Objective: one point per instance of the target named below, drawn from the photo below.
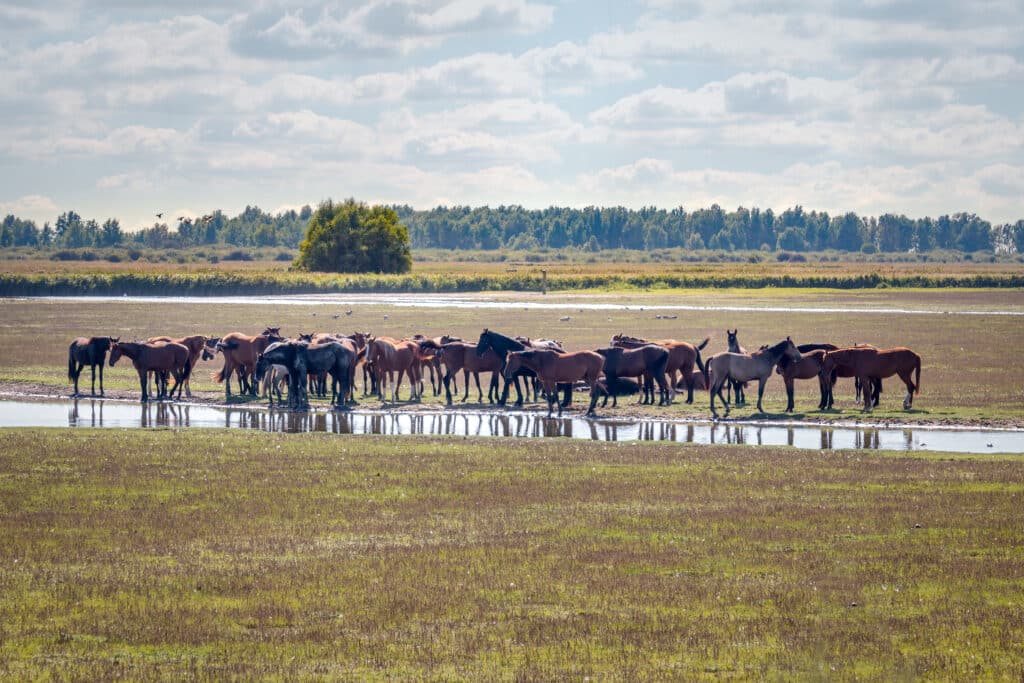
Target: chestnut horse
(681, 359)
(553, 368)
(159, 357)
(91, 351)
(741, 367)
(460, 355)
(647, 361)
(240, 354)
(869, 364)
(389, 356)
(197, 349)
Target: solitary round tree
(351, 237)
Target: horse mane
(774, 349)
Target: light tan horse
(554, 368)
(869, 364)
(744, 367)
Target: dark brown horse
(163, 358)
(648, 362)
(389, 356)
(240, 354)
(740, 367)
(868, 364)
(553, 368)
(682, 357)
(808, 367)
(460, 355)
(91, 351)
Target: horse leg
(789, 392)
(908, 400)
(144, 383)
(878, 390)
(865, 383)
(593, 395)
(519, 394)
(761, 382)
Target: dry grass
(242, 555)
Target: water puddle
(471, 302)
(106, 413)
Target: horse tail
(704, 370)
(188, 369)
(917, 375)
(71, 361)
(218, 376)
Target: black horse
(292, 356)
(91, 351)
(334, 359)
(501, 346)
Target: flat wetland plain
(217, 554)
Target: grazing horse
(868, 364)
(647, 361)
(290, 355)
(740, 367)
(460, 355)
(240, 354)
(735, 390)
(197, 349)
(159, 357)
(91, 351)
(502, 345)
(681, 359)
(553, 368)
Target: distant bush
(238, 255)
(283, 256)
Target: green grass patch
(230, 554)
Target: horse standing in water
(869, 364)
(91, 351)
(502, 346)
(197, 350)
(740, 367)
(163, 358)
(553, 368)
(240, 354)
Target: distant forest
(589, 229)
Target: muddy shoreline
(627, 410)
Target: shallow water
(477, 302)
(107, 413)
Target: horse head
(305, 337)
(273, 334)
(791, 352)
(484, 342)
(115, 352)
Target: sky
(117, 108)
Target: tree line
(591, 229)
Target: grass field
(966, 376)
(162, 554)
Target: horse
(290, 355)
(502, 345)
(808, 367)
(389, 356)
(868, 363)
(735, 390)
(615, 387)
(740, 367)
(553, 368)
(681, 359)
(334, 359)
(160, 357)
(197, 349)
(647, 361)
(270, 383)
(460, 355)
(240, 354)
(91, 351)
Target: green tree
(351, 237)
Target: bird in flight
(159, 215)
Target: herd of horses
(629, 365)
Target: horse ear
(115, 339)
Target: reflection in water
(100, 413)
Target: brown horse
(741, 367)
(240, 354)
(869, 364)
(808, 367)
(647, 361)
(460, 355)
(196, 345)
(681, 359)
(389, 356)
(553, 368)
(91, 351)
(163, 358)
